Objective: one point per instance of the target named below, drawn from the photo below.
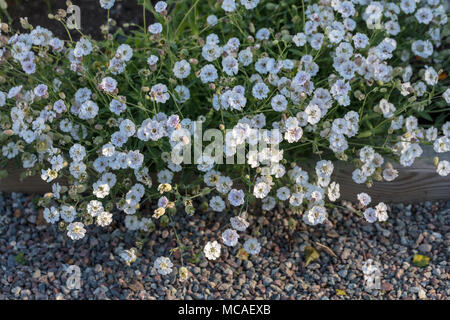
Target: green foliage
(19, 258)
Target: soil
(92, 15)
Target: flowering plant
(111, 124)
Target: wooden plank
(32, 184)
(417, 183)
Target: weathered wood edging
(417, 183)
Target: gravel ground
(33, 258)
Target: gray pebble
(277, 272)
(425, 247)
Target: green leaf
(311, 255)
(195, 258)
(440, 120)
(420, 260)
(425, 115)
(20, 258)
(365, 134)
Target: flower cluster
(349, 80)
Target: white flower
(296, 199)
(51, 215)
(77, 169)
(128, 256)
(109, 178)
(283, 193)
(94, 207)
(163, 265)
(155, 28)
(364, 199)
(442, 144)
(14, 91)
(249, 4)
(316, 40)
(381, 211)
(299, 39)
(165, 176)
(236, 197)
(117, 107)
(41, 90)
(77, 152)
(132, 222)
(389, 174)
(104, 219)
(252, 246)
(181, 69)
(76, 230)
(68, 213)
(261, 190)
(159, 93)
(279, 103)
(424, 15)
(313, 113)
(370, 215)
(211, 20)
(268, 203)
(445, 95)
(217, 204)
(208, 73)
(408, 6)
(127, 127)
(135, 159)
(211, 51)
(260, 90)
(239, 223)
(230, 65)
(263, 34)
(334, 191)
(387, 108)
(101, 189)
(315, 215)
(229, 5)
(152, 60)
(212, 250)
(230, 237)
(182, 93)
(431, 77)
(82, 48)
(108, 84)
(88, 110)
(107, 4)
(245, 57)
(3, 98)
(422, 48)
(224, 184)
(443, 168)
(160, 6)
(431, 133)
(324, 168)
